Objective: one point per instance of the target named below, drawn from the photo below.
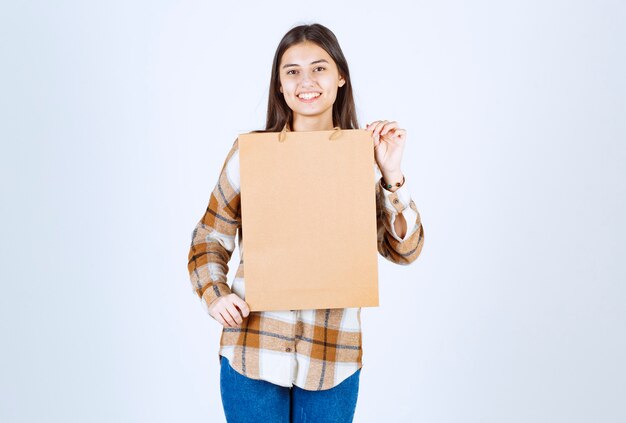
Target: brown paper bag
(308, 211)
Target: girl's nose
(306, 76)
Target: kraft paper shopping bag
(308, 210)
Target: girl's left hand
(388, 144)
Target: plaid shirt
(313, 349)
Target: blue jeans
(247, 400)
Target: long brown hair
(278, 112)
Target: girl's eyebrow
(314, 62)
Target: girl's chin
(306, 106)
(309, 108)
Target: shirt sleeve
(213, 238)
(388, 206)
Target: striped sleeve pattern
(389, 205)
(213, 238)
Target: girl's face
(309, 80)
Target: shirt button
(288, 349)
(395, 201)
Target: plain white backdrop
(116, 117)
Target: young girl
(297, 365)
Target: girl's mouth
(309, 97)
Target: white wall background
(115, 118)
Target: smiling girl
(297, 365)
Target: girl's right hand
(229, 310)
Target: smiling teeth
(308, 96)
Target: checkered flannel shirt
(313, 349)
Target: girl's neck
(312, 123)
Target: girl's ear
(342, 81)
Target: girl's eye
(293, 70)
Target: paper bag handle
(334, 135)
